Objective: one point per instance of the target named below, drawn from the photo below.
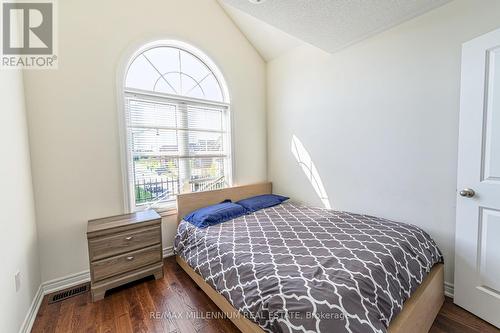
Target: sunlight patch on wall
(305, 161)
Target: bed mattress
(295, 268)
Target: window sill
(164, 212)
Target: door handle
(467, 192)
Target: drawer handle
(130, 258)
(128, 238)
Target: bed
(295, 268)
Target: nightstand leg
(159, 274)
(98, 294)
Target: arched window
(177, 124)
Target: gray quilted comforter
(294, 268)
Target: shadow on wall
(305, 161)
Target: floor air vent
(67, 293)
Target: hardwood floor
(133, 308)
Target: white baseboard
(32, 311)
(449, 289)
(49, 287)
(65, 282)
(61, 283)
(168, 251)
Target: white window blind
(175, 146)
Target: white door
(477, 245)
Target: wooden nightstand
(122, 249)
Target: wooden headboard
(188, 202)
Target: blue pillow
(253, 204)
(215, 214)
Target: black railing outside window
(150, 190)
(165, 189)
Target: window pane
(173, 71)
(165, 59)
(169, 83)
(204, 118)
(166, 85)
(193, 67)
(203, 143)
(144, 113)
(156, 178)
(191, 88)
(141, 75)
(154, 142)
(212, 89)
(206, 174)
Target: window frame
(125, 151)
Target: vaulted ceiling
(274, 26)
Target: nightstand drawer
(126, 262)
(107, 246)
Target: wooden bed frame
(418, 312)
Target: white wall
(18, 238)
(379, 119)
(72, 112)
